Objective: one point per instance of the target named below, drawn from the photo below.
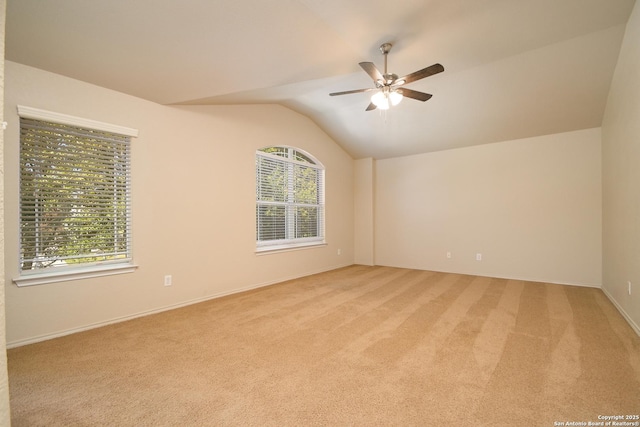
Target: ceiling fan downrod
(389, 79)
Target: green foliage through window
(289, 197)
(74, 195)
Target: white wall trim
(626, 316)
(74, 274)
(45, 337)
(65, 119)
(495, 276)
(266, 250)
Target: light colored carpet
(358, 346)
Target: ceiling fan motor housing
(389, 79)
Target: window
(289, 199)
(75, 205)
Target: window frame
(289, 242)
(84, 270)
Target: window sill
(266, 250)
(76, 274)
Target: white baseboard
(500, 276)
(45, 337)
(628, 318)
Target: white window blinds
(75, 206)
(289, 197)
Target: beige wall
(531, 207)
(621, 178)
(364, 182)
(5, 414)
(193, 205)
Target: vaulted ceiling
(513, 68)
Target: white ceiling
(513, 68)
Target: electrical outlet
(449, 255)
(478, 257)
(339, 251)
(167, 280)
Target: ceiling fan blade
(421, 74)
(371, 107)
(414, 94)
(348, 92)
(370, 68)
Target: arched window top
(291, 153)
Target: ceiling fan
(389, 88)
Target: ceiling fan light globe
(395, 98)
(380, 100)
